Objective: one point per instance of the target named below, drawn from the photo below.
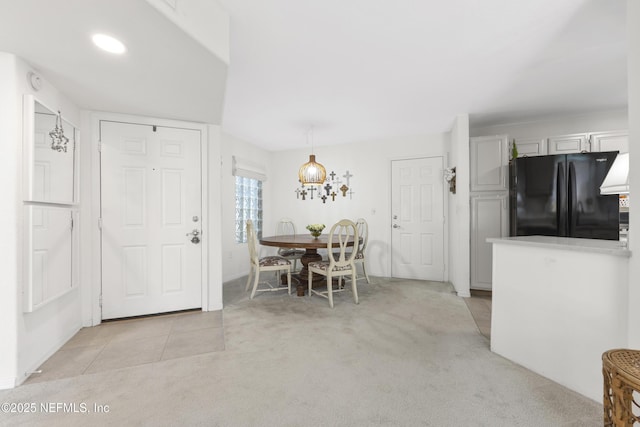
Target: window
(248, 206)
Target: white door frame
(96, 235)
(446, 196)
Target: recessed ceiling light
(108, 43)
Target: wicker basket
(621, 372)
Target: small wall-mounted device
(34, 80)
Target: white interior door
(150, 202)
(417, 215)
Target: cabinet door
(489, 218)
(531, 147)
(610, 141)
(566, 144)
(489, 161)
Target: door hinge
(100, 223)
(100, 302)
(99, 147)
(72, 221)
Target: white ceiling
(351, 69)
(165, 73)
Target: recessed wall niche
(49, 172)
(50, 253)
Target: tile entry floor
(130, 342)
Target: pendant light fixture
(312, 173)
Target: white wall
(204, 20)
(10, 151)
(215, 211)
(459, 220)
(89, 255)
(28, 339)
(42, 332)
(633, 51)
(235, 256)
(555, 310)
(593, 122)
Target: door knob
(194, 236)
(396, 226)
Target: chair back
(285, 227)
(342, 232)
(363, 234)
(252, 242)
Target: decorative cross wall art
(335, 187)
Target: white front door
(150, 201)
(417, 215)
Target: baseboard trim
(22, 377)
(7, 383)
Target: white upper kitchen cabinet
(610, 141)
(567, 144)
(531, 147)
(489, 157)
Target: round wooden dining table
(310, 245)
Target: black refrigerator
(559, 195)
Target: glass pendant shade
(312, 173)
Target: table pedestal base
(302, 277)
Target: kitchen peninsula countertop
(609, 247)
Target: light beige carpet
(409, 354)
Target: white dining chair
(268, 263)
(286, 227)
(363, 233)
(339, 264)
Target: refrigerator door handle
(572, 207)
(560, 201)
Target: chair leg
(354, 286)
(255, 282)
(330, 290)
(310, 280)
(289, 279)
(246, 288)
(364, 270)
